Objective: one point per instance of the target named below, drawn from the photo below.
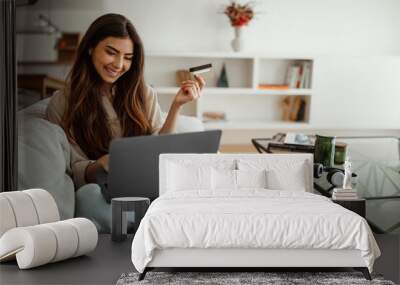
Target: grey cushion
(44, 158)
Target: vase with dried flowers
(239, 15)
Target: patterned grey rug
(243, 278)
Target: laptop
(133, 169)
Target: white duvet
(250, 219)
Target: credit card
(200, 69)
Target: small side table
(356, 206)
(120, 207)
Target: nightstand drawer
(357, 206)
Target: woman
(106, 96)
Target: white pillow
(183, 177)
(228, 179)
(293, 180)
(282, 174)
(224, 179)
(251, 178)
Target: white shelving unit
(246, 106)
(240, 91)
(255, 125)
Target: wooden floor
(237, 148)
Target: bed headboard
(272, 160)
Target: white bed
(201, 221)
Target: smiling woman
(106, 96)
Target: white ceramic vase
(238, 42)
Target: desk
(276, 145)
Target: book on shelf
(344, 194)
(340, 197)
(293, 73)
(213, 116)
(301, 113)
(344, 191)
(299, 75)
(306, 80)
(273, 86)
(294, 108)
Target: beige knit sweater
(79, 161)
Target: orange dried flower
(239, 15)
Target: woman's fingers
(191, 92)
(200, 80)
(191, 89)
(192, 84)
(195, 85)
(198, 88)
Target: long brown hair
(85, 120)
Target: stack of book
(344, 194)
(299, 75)
(294, 108)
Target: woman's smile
(112, 72)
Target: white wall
(306, 26)
(356, 45)
(356, 92)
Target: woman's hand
(104, 161)
(100, 164)
(190, 91)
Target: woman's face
(112, 57)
